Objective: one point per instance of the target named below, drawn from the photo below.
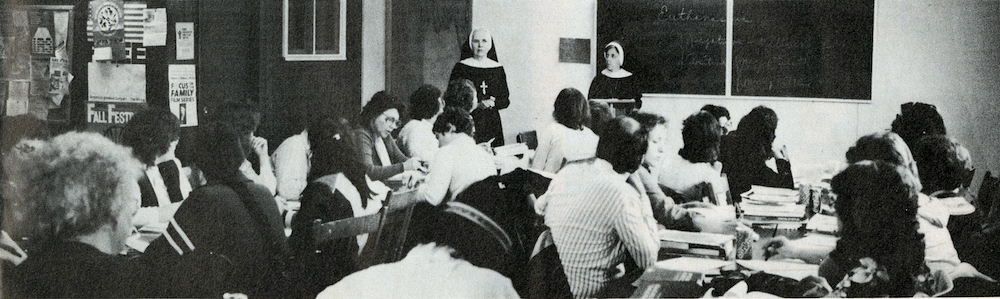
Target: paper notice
(183, 94)
(120, 83)
(155, 27)
(185, 40)
(17, 97)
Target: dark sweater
(67, 269)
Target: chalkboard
(675, 46)
(781, 48)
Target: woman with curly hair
(80, 192)
(877, 211)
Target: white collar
(464, 140)
(486, 62)
(606, 167)
(620, 73)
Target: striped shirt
(597, 219)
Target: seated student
(416, 139)
(230, 218)
(453, 262)
(15, 131)
(747, 155)
(245, 118)
(695, 167)
(916, 120)
(568, 138)
(598, 220)
(722, 114)
(665, 211)
(461, 93)
(932, 215)
(83, 192)
(460, 161)
(877, 212)
(291, 163)
(373, 138)
(153, 136)
(600, 114)
(943, 164)
(338, 189)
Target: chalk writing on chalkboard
(781, 48)
(675, 46)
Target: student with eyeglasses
(373, 137)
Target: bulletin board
(36, 47)
(147, 60)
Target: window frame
(341, 54)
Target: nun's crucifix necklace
(483, 86)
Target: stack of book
(772, 204)
(675, 243)
(664, 283)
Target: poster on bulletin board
(117, 91)
(36, 60)
(183, 94)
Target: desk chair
(530, 138)
(722, 196)
(344, 228)
(389, 242)
(114, 133)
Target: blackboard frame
(863, 73)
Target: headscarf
(621, 52)
(467, 46)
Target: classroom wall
(942, 52)
(290, 91)
(372, 49)
(526, 35)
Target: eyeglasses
(391, 119)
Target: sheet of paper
(183, 93)
(823, 223)
(185, 40)
(155, 27)
(691, 264)
(117, 83)
(17, 97)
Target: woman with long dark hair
(337, 189)
(747, 155)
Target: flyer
(17, 97)
(185, 40)
(155, 27)
(112, 113)
(108, 17)
(183, 93)
(119, 83)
